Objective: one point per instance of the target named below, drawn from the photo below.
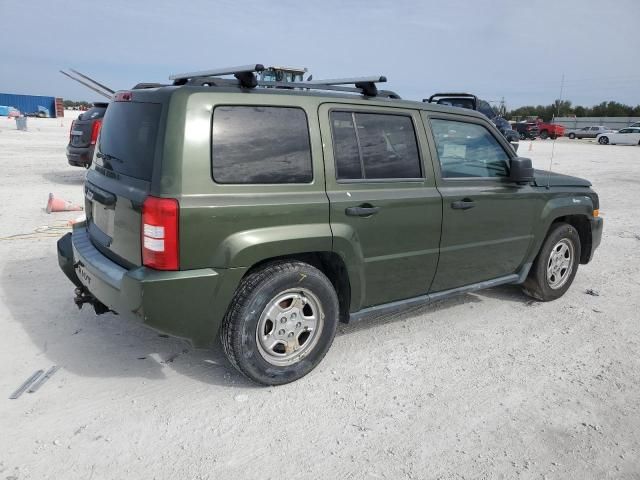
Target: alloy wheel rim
(289, 327)
(560, 264)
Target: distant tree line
(73, 104)
(564, 108)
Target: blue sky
(511, 49)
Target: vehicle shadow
(40, 297)
(66, 177)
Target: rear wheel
(603, 140)
(556, 265)
(572, 136)
(281, 322)
(544, 135)
(522, 136)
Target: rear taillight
(95, 130)
(160, 233)
(71, 130)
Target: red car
(549, 130)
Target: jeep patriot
(264, 213)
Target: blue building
(29, 103)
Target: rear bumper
(189, 304)
(80, 156)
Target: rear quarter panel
(226, 226)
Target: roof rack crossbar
(245, 74)
(349, 81)
(225, 82)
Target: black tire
(572, 136)
(257, 291)
(603, 140)
(523, 136)
(544, 135)
(538, 284)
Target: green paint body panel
(414, 246)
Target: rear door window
(374, 146)
(128, 137)
(254, 144)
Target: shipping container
(28, 103)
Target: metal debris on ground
(592, 292)
(21, 389)
(37, 384)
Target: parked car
(470, 101)
(549, 130)
(84, 135)
(626, 136)
(636, 124)
(267, 218)
(588, 132)
(526, 130)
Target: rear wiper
(108, 158)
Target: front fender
(554, 208)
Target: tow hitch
(84, 296)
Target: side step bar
(392, 307)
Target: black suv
(526, 130)
(470, 101)
(84, 135)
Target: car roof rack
(246, 78)
(245, 75)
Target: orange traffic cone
(59, 205)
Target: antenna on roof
(90, 83)
(245, 75)
(553, 146)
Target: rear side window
(374, 146)
(468, 150)
(260, 145)
(128, 136)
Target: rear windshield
(128, 138)
(92, 113)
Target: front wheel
(544, 135)
(281, 322)
(572, 136)
(603, 140)
(556, 265)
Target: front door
(487, 223)
(385, 211)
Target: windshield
(128, 138)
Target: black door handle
(365, 210)
(464, 204)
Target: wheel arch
(330, 264)
(576, 210)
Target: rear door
(120, 178)
(384, 207)
(487, 221)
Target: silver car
(588, 132)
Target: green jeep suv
(264, 213)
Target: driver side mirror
(521, 171)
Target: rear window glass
(260, 145)
(374, 146)
(92, 113)
(128, 137)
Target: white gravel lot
(486, 385)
